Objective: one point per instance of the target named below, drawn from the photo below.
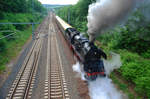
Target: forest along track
(24, 82)
(55, 83)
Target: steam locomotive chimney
(92, 38)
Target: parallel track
(22, 86)
(55, 83)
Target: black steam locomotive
(85, 51)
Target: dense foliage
(76, 14)
(20, 6)
(131, 40)
(133, 36)
(17, 11)
(136, 70)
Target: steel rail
(35, 65)
(22, 72)
(58, 85)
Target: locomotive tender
(85, 51)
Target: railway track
(23, 84)
(55, 83)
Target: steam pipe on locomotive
(87, 53)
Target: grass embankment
(12, 45)
(13, 48)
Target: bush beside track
(10, 46)
(135, 71)
(19, 11)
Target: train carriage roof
(63, 23)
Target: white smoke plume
(112, 64)
(78, 68)
(105, 14)
(102, 88)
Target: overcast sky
(58, 1)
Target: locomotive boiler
(85, 51)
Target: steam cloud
(78, 68)
(103, 88)
(105, 14)
(112, 64)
